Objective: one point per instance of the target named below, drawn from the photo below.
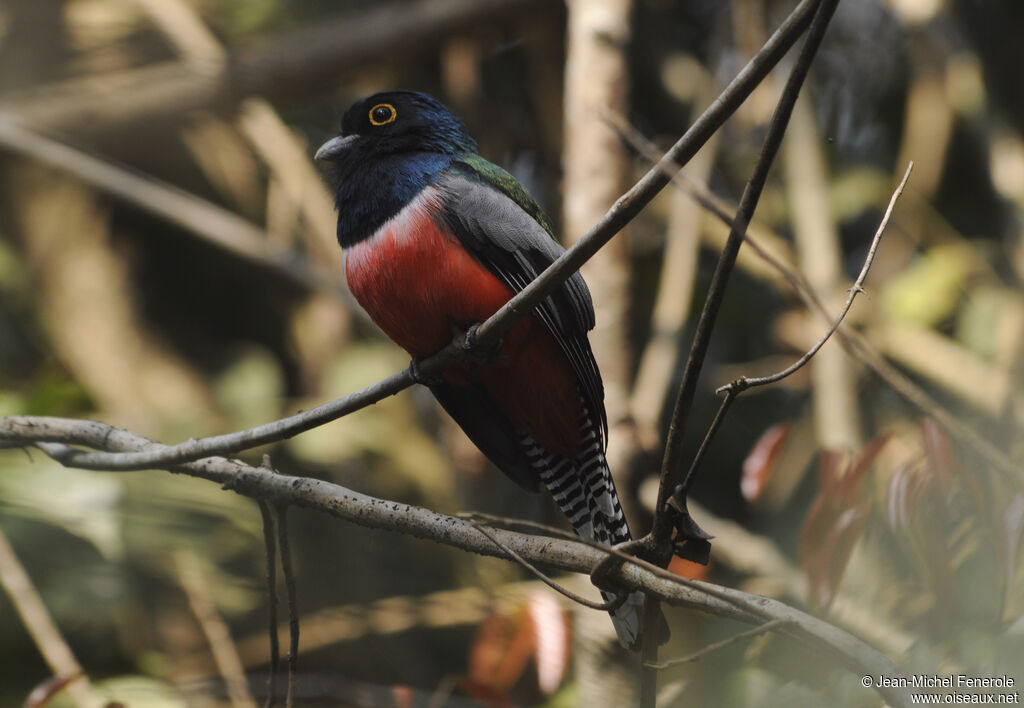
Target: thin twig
(270, 543)
(710, 648)
(163, 455)
(744, 383)
(284, 546)
(691, 473)
(624, 210)
(610, 605)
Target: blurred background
(168, 264)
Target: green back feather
(477, 168)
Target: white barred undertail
(584, 491)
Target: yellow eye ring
(382, 114)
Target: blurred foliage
(913, 541)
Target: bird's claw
(600, 576)
(469, 342)
(477, 353)
(419, 377)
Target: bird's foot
(600, 576)
(476, 353)
(419, 377)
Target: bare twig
(664, 524)
(633, 201)
(854, 343)
(610, 552)
(554, 585)
(834, 401)
(744, 383)
(162, 455)
(716, 423)
(711, 648)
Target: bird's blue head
(396, 122)
(392, 145)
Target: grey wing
(514, 246)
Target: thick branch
(261, 483)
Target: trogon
(437, 239)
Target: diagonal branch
(711, 648)
(624, 210)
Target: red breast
(420, 285)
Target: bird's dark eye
(382, 114)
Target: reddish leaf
(551, 640)
(835, 520)
(830, 471)
(403, 696)
(507, 642)
(839, 547)
(938, 448)
(861, 464)
(49, 688)
(761, 460)
(501, 651)
(906, 487)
